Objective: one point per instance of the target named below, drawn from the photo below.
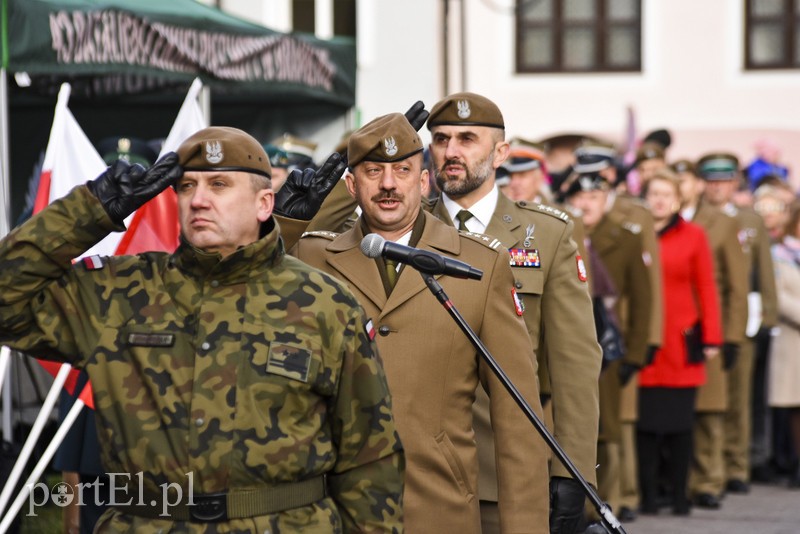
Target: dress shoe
(707, 501)
(626, 515)
(737, 486)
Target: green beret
(718, 166)
(466, 109)
(386, 139)
(220, 148)
(683, 165)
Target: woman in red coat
(692, 335)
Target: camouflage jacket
(246, 371)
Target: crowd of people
(286, 380)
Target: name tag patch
(289, 361)
(525, 257)
(151, 340)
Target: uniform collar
(482, 210)
(237, 267)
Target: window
(579, 35)
(772, 34)
(344, 16)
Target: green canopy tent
(130, 63)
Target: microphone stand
(610, 522)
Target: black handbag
(693, 337)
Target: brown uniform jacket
(622, 252)
(558, 314)
(433, 373)
(730, 272)
(632, 214)
(756, 243)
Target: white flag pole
(69, 420)
(5, 393)
(33, 437)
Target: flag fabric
(155, 225)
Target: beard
(474, 176)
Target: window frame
(601, 26)
(790, 20)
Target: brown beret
(220, 148)
(718, 166)
(466, 109)
(683, 165)
(385, 139)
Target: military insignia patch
(464, 110)
(390, 146)
(519, 306)
(525, 257)
(93, 263)
(289, 361)
(581, 268)
(369, 328)
(151, 340)
(647, 258)
(214, 152)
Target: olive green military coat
(433, 373)
(560, 322)
(247, 371)
(730, 272)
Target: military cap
(649, 150)
(220, 148)
(299, 151)
(130, 149)
(591, 181)
(466, 109)
(385, 139)
(501, 177)
(278, 158)
(661, 137)
(718, 166)
(523, 158)
(594, 156)
(683, 165)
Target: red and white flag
(155, 225)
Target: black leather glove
(626, 372)
(566, 505)
(730, 352)
(417, 115)
(651, 354)
(304, 191)
(123, 188)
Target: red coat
(690, 293)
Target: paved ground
(765, 510)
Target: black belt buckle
(209, 508)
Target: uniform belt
(237, 504)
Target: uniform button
(199, 421)
(518, 285)
(383, 330)
(205, 346)
(215, 283)
(523, 203)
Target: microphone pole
(610, 522)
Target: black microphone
(425, 261)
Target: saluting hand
(304, 191)
(417, 115)
(123, 188)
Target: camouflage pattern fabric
(246, 371)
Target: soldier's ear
(350, 182)
(501, 150)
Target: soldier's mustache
(388, 196)
(452, 162)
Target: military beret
(594, 157)
(385, 139)
(466, 109)
(130, 149)
(718, 166)
(683, 165)
(521, 159)
(220, 148)
(649, 150)
(278, 158)
(591, 181)
(661, 137)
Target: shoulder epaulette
(544, 208)
(632, 227)
(321, 233)
(485, 240)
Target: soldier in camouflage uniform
(236, 376)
